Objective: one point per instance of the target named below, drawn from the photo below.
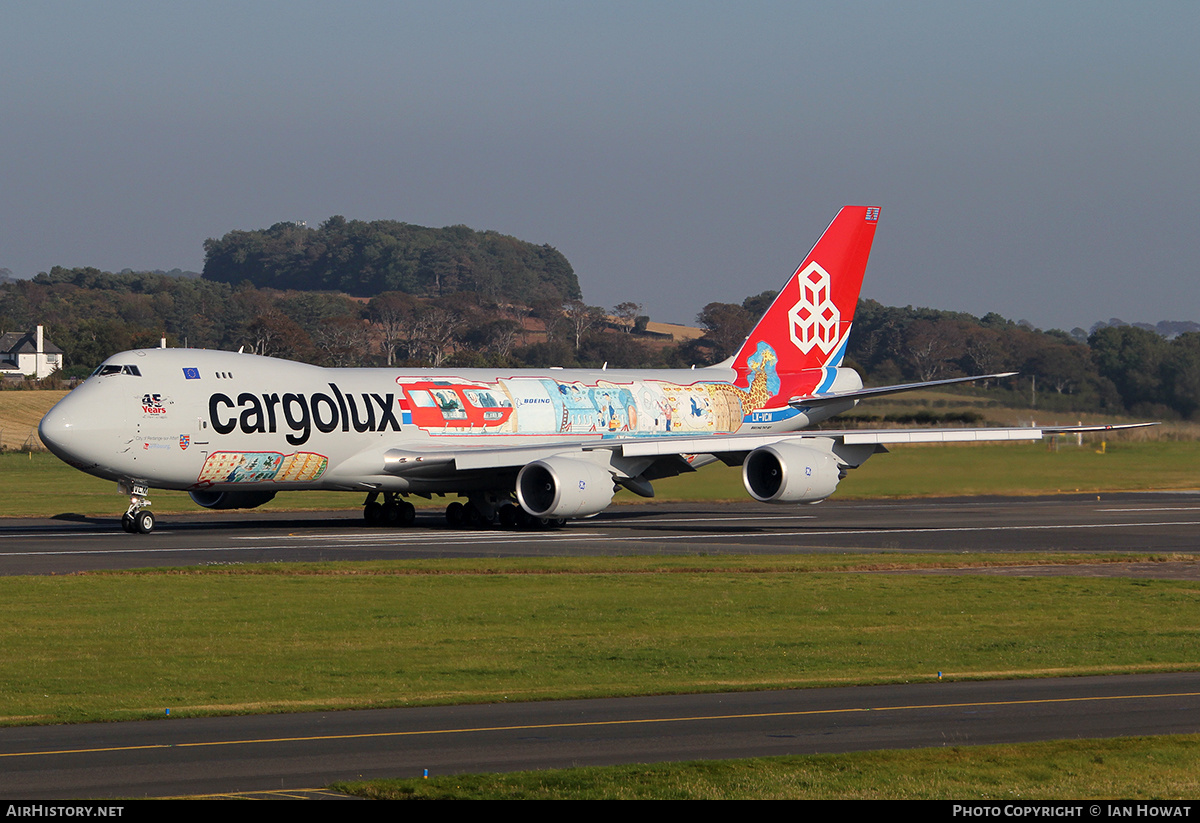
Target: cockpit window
(109, 368)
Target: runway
(307, 751)
(171, 757)
(1153, 522)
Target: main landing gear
(137, 518)
(480, 511)
(486, 510)
(391, 512)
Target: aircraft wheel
(508, 516)
(390, 515)
(127, 523)
(373, 513)
(408, 513)
(526, 521)
(143, 522)
(456, 515)
(475, 518)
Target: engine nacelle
(790, 473)
(231, 500)
(562, 487)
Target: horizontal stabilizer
(810, 401)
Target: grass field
(20, 413)
(296, 637)
(1139, 768)
(289, 638)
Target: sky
(1036, 159)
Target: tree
(627, 313)
(393, 313)
(580, 318)
(1063, 367)
(930, 347)
(343, 341)
(1131, 358)
(1181, 374)
(274, 334)
(984, 352)
(434, 333)
(497, 337)
(758, 304)
(726, 325)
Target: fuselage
(211, 420)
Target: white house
(29, 354)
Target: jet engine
(790, 473)
(231, 500)
(563, 487)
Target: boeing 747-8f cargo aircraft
(524, 447)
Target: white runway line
(430, 541)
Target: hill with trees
(365, 259)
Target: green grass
(1139, 768)
(284, 638)
(1136, 768)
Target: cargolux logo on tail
(814, 319)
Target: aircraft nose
(70, 430)
(59, 432)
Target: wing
(576, 478)
(749, 442)
(483, 458)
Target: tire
(143, 522)
(408, 513)
(373, 513)
(508, 516)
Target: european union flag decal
(191, 374)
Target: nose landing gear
(137, 519)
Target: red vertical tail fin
(808, 324)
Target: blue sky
(1032, 158)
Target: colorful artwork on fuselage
(541, 405)
(261, 467)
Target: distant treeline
(92, 314)
(364, 259)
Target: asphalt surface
(294, 752)
(285, 755)
(1160, 523)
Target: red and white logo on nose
(813, 320)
